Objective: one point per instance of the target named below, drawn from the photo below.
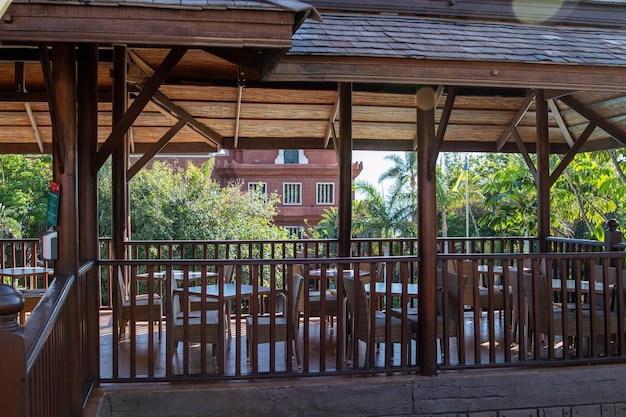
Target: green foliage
(24, 186)
(168, 202)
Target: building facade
(305, 180)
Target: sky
(374, 164)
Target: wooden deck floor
(488, 326)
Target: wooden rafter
(569, 156)
(556, 113)
(118, 131)
(58, 141)
(330, 127)
(209, 134)
(155, 149)
(33, 123)
(524, 152)
(594, 118)
(515, 121)
(441, 129)
(238, 114)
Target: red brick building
(305, 180)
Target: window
(260, 187)
(292, 193)
(325, 193)
(291, 156)
(295, 232)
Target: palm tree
(377, 216)
(403, 190)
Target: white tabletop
(229, 290)
(332, 272)
(396, 289)
(178, 275)
(24, 271)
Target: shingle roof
(428, 38)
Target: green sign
(52, 212)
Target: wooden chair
(453, 319)
(192, 325)
(362, 321)
(314, 301)
(261, 332)
(143, 309)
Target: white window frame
(297, 231)
(280, 158)
(324, 196)
(253, 186)
(286, 193)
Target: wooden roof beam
(522, 149)
(58, 140)
(133, 111)
(569, 156)
(155, 149)
(330, 128)
(438, 95)
(515, 121)
(556, 113)
(443, 124)
(209, 134)
(594, 118)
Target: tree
(171, 203)
(24, 186)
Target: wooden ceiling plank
(594, 118)
(569, 156)
(556, 113)
(211, 135)
(516, 119)
(155, 149)
(119, 130)
(33, 123)
(552, 94)
(524, 152)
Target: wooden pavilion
(89, 81)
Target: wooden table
(229, 291)
(27, 271)
(179, 276)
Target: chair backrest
(123, 291)
(229, 273)
(363, 318)
(452, 294)
(296, 294)
(380, 271)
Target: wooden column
(344, 156)
(118, 185)
(64, 89)
(119, 158)
(427, 236)
(543, 170)
(88, 196)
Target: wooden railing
(19, 252)
(46, 361)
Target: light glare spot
(536, 11)
(425, 98)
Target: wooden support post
(427, 235)
(344, 156)
(64, 81)
(12, 354)
(88, 195)
(613, 235)
(118, 187)
(543, 170)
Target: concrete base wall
(581, 391)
